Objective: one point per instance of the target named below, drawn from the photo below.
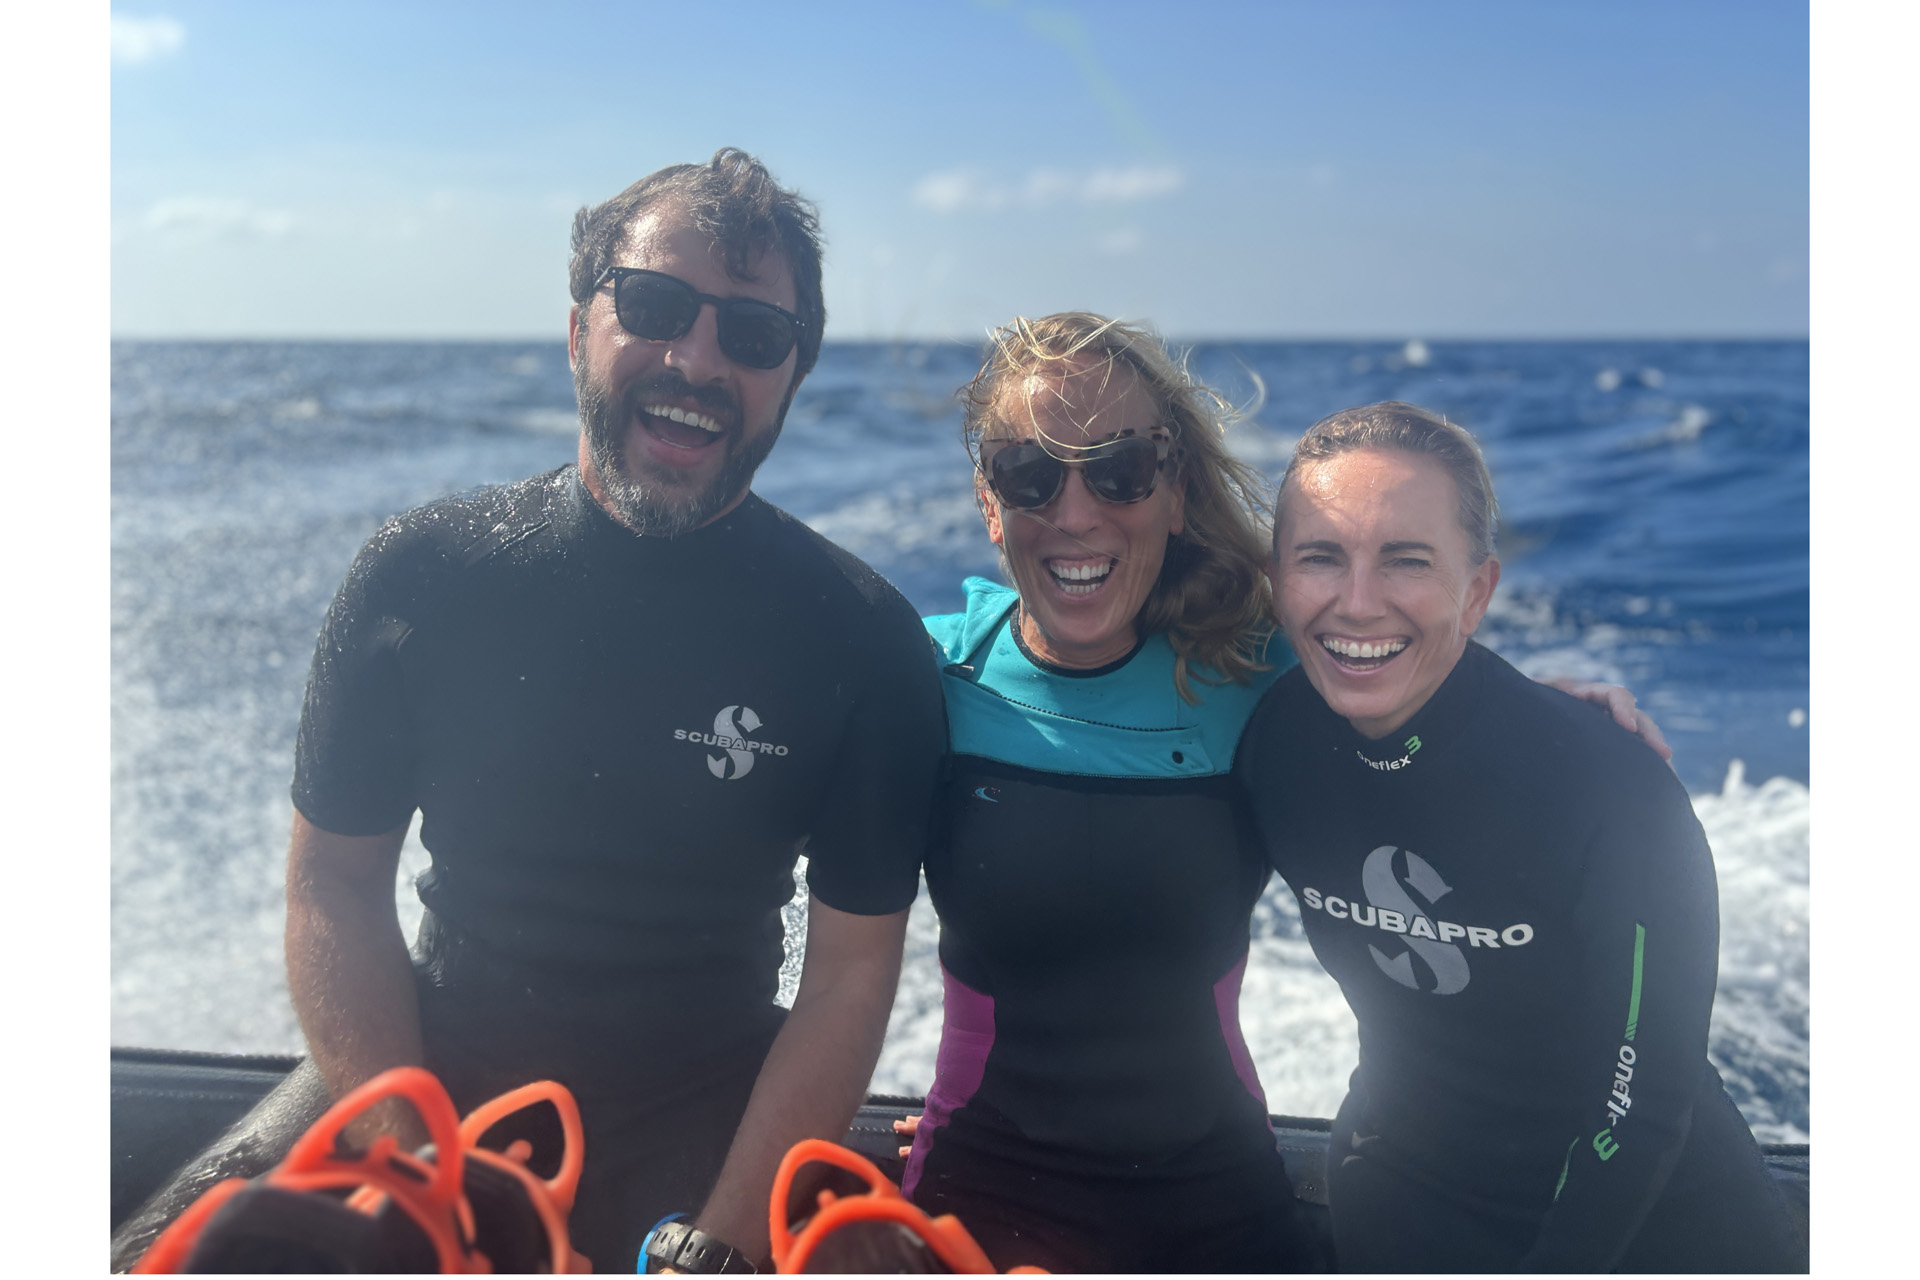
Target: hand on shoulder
(1620, 704)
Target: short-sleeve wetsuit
(1094, 1106)
(1519, 905)
(618, 746)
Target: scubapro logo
(1384, 891)
(1392, 909)
(738, 751)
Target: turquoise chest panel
(1129, 723)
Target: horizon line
(1396, 340)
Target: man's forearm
(347, 965)
(816, 1074)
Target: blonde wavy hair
(1211, 598)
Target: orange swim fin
(458, 1208)
(848, 1216)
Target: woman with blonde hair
(1094, 1106)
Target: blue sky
(1303, 170)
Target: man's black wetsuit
(1094, 1107)
(618, 746)
(1519, 904)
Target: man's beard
(660, 504)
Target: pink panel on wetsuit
(1226, 1000)
(966, 1037)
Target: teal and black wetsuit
(1519, 904)
(1094, 1107)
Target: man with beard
(624, 696)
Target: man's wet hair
(734, 200)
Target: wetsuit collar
(988, 604)
(1071, 673)
(1433, 727)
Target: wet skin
(1083, 567)
(1373, 582)
(684, 418)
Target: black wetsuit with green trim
(1520, 906)
(1094, 1107)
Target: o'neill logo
(1392, 909)
(730, 730)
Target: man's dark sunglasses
(661, 307)
(1025, 476)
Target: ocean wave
(559, 422)
(1761, 839)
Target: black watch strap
(685, 1247)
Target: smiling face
(672, 431)
(1373, 582)
(1084, 567)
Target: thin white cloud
(137, 40)
(1125, 240)
(954, 190)
(1048, 186)
(214, 217)
(1129, 186)
(957, 189)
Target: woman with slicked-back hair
(1514, 895)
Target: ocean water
(1655, 534)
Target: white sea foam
(878, 524)
(558, 422)
(1262, 447)
(1760, 839)
(1685, 428)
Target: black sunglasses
(661, 307)
(1026, 477)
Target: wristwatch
(685, 1247)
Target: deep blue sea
(1655, 533)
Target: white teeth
(1362, 648)
(684, 417)
(1080, 579)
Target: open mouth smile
(681, 428)
(1362, 655)
(1080, 577)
